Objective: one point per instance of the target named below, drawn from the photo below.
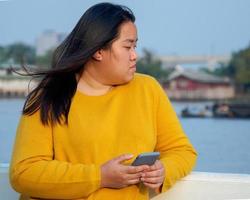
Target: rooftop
(197, 75)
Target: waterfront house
(197, 85)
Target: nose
(133, 55)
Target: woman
(91, 114)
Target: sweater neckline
(108, 93)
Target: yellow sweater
(64, 162)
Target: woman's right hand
(114, 174)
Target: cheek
(121, 58)
(125, 58)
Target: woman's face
(119, 61)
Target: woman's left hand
(154, 176)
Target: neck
(89, 84)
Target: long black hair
(97, 29)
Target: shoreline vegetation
(237, 71)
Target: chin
(129, 78)
(125, 80)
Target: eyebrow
(130, 40)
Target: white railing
(209, 186)
(196, 186)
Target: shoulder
(145, 81)
(146, 86)
(140, 76)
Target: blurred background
(198, 50)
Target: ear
(98, 55)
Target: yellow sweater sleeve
(34, 172)
(177, 153)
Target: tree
(222, 71)
(148, 64)
(20, 53)
(2, 54)
(45, 60)
(238, 69)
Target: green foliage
(2, 54)
(45, 60)
(24, 54)
(148, 64)
(221, 71)
(19, 52)
(241, 64)
(238, 69)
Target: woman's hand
(114, 174)
(154, 176)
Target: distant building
(15, 86)
(48, 40)
(197, 85)
(210, 61)
(12, 84)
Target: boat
(232, 110)
(197, 112)
(219, 110)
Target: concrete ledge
(196, 186)
(209, 186)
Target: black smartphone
(146, 159)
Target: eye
(129, 47)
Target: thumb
(123, 157)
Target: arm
(34, 172)
(177, 154)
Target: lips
(133, 68)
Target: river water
(222, 144)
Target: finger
(133, 176)
(157, 165)
(154, 180)
(123, 157)
(152, 186)
(133, 181)
(156, 173)
(136, 169)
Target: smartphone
(146, 159)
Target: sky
(166, 27)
